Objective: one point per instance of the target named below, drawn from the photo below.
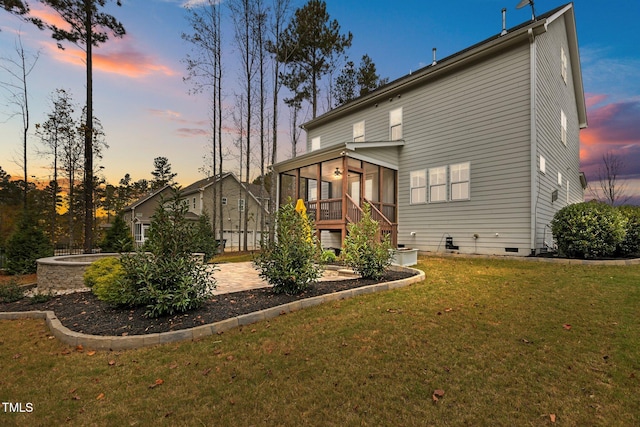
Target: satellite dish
(523, 3)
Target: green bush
(588, 230)
(631, 243)
(26, 245)
(11, 292)
(104, 277)
(165, 277)
(204, 238)
(329, 256)
(118, 237)
(290, 262)
(364, 250)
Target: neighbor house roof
(463, 58)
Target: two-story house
(474, 153)
(238, 199)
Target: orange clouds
(117, 58)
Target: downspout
(534, 144)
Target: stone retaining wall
(65, 272)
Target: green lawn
(508, 342)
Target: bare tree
(86, 27)
(57, 131)
(18, 70)
(204, 72)
(609, 186)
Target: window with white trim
(559, 179)
(194, 203)
(543, 164)
(459, 176)
(224, 201)
(563, 127)
(563, 62)
(315, 143)
(438, 184)
(241, 205)
(395, 124)
(418, 186)
(358, 132)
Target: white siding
(479, 115)
(553, 97)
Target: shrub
(104, 277)
(329, 256)
(11, 292)
(289, 262)
(588, 230)
(118, 237)
(26, 245)
(364, 250)
(204, 238)
(167, 279)
(631, 243)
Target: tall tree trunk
(88, 135)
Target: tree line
(294, 57)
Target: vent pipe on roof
(504, 21)
(434, 57)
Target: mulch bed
(83, 312)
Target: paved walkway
(240, 276)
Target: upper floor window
(358, 132)
(315, 143)
(563, 64)
(559, 179)
(459, 175)
(194, 203)
(563, 127)
(543, 164)
(224, 201)
(241, 205)
(438, 184)
(418, 187)
(395, 124)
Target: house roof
(462, 58)
(143, 199)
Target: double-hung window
(438, 184)
(241, 205)
(563, 64)
(395, 124)
(418, 186)
(315, 143)
(224, 201)
(459, 176)
(358, 132)
(563, 127)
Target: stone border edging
(99, 342)
(562, 261)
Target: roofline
(145, 198)
(498, 42)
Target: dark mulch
(83, 312)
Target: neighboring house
(474, 153)
(238, 199)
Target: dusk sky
(146, 111)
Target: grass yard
(479, 342)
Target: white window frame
(559, 179)
(563, 127)
(194, 203)
(358, 131)
(224, 201)
(418, 187)
(241, 205)
(395, 124)
(563, 64)
(543, 164)
(438, 184)
(460, 181)
(315, 143)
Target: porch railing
(387, 228)
(325, 210)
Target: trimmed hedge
(589, 230)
